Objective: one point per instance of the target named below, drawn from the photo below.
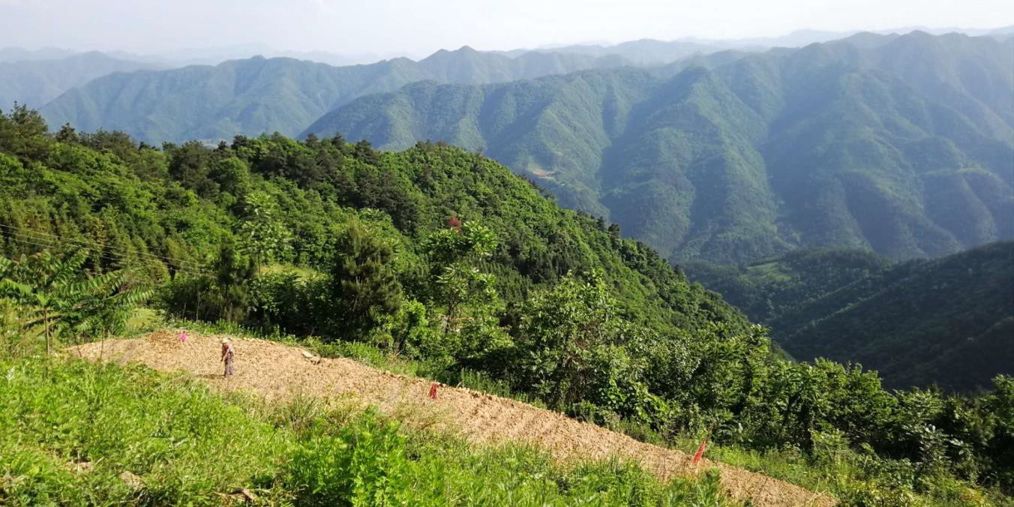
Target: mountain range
(257, 95)
(899, 144)
(903, 145)
(34, 79)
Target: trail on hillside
(279, 372)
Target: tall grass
(76, 433)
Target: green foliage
(576, 348)
(769, 289)
(222, 294)
(364, 465)
(363, 285)
(263, 236)
(55, 297)
(72, 430)
(470, 326)
(943, 321)
(372, 256)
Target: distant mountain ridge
(16, 54)
(899, 144)
(33, 79)
(258, 95)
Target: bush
(363, 465)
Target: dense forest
(944, 321)
(443, 256)
(897, 144)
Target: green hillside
(898, 144)
(441, 257)
(768, 289)
(946, 322)
(259, 95)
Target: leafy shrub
(363, 465)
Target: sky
(419, 27)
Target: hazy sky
(417, 27)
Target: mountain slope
(899, 144)
(948, 321)
(36, 82)
(446, 257)
(284, 95)
(283, 372)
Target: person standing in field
(228, 356)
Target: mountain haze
(899, 144)
(258, 95)
(29, 79)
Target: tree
(264, 238)
(363, 285)
(59, 298)
(23, 133)
(468, 296)
(574, 346)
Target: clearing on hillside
(278, 371)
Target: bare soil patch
(277, 371)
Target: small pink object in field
(184, 337)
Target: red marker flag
(700, 451)
(433, 391)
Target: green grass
(72, 429)
(143, 320)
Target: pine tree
(364, 285)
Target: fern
(57, 298)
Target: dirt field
(278, 371)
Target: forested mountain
(440, 255)
(947, 321)
(258, 95)
(767, 289)
(899, 144)
(36, 81)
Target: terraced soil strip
(278, 371)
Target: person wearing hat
(228, 354)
